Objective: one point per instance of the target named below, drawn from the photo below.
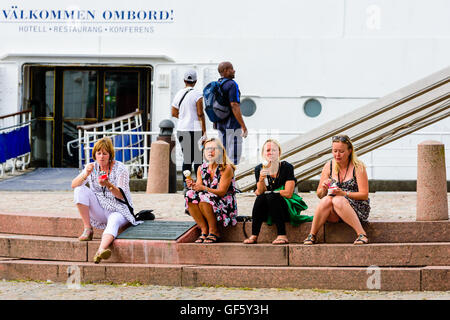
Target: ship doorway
(63, 97)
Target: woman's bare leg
(344, 210)
(323, 211)
(107, 239)
(210, 216)
(84, 213)
(196, 213)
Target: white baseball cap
(190, 76)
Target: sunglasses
(341, 139)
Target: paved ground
(44, 179)
(59, 291)
(385, 206)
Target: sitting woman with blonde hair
(343, 190)
(275, 181)
(212, 197)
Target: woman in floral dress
(211, 199)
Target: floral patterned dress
(224, 207)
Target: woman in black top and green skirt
(270, 176)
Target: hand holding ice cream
(189, 180)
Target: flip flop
(251, 240)
(280, 241)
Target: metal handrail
(108, 122)
(141, 162)
(15, 114)
(116, 126)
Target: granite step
(43, 225)
(378, 231)
(231, 254)
(237, 254)
(339, 278)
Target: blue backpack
(215, 103)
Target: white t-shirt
(187, 112)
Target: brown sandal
(87, 235)
(311, 239)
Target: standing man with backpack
(187, 106)
(233, 128)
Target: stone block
(268, 233)
(391, 232)
(436, 278)
(233, 254)
(371, 254)
(302, 278)
(44, 248)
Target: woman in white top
(99, 205)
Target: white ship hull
(343, 54)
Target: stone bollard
(432, 203)
(158, 171)
(166, 134)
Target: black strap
(244, 219)
(187, 91)
(221, 83)
(243, 229)
(331, 169)
(125, 201)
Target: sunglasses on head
(341, 139)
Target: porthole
(248, 107)
(312, 108)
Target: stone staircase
(405, 256)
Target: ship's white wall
(344, 52)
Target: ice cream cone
(187, 174)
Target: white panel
(9, 88)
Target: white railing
(138, 164)
(11, 122)
(128, 123)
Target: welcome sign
(85, 20)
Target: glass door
(121, 93)
(64, 97)
(42, 103)
(79, 107)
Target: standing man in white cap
(187, 106)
